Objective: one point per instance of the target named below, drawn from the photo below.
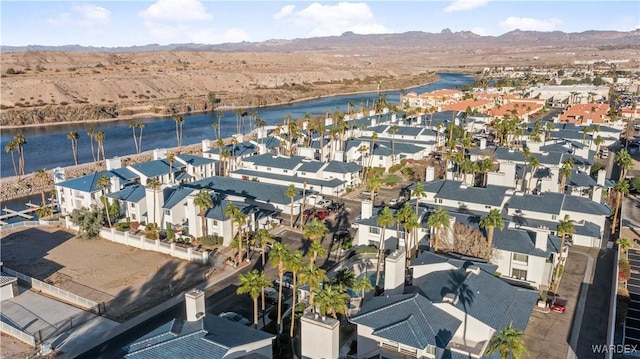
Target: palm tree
(362, 284)
(230, 211)
(315, 230)
(374, 139)
(294, 264)
(624, 244)
(384, 220)
(20, 141)
(490, 222)
(171, 158)
(11, 147)
(104, 182)
(418, 192)
(241, 219)
(133, 124)
(253, 283)
(534, 164)
(204, 202)
(373, 185)
(438, 220)
(43, 179)
(598, 141)
(279, 255)
(485, 166)
(154, 183)
(291, 192)
(179, 122)
(565, 227)
(508, 343)
(313, 277)
(141, 127)
(332, 300)
(411, 224)
(264, 238)
(624, 161)
(73, 136)
(565, 172)
(100, 136)
(91, 133)
(622, 188)
(317, 250)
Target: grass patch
(391, 179)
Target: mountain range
(351, 41)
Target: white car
(235, 317)
(325, 203)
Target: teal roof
(259, 191)
(155, 168)
(342, 167)
(175, 196)
(275, 161)
(89, 183)
(134, 193)
(195, 160)
(295, 179)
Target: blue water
(372, 277)
(48, 146)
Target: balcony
(475, 349)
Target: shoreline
(149, 115)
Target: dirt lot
(127, 279)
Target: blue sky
(127, 23)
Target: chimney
(542, 236)
(194, 300)
(115, 183)
(483, 143)
(159, 153)
(320, 336)
(59, 175)
(473, 269)
(206, 145)
(596, 195)
(430, 174)
(262, 148)
(601, 177)
(113, 163)
(366, 209)
(451, 298)
(394, 272)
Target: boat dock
(11, 213)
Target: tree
(332, 300)
(565, 227)
(362, 284)
(385, 219)
(508, 343)
(622, 188)
(485, 166)
(373, 185)
(74, 136)
(624, 244)
(19, 141)
(534, 164)
(344, 278)
(317, 250)
(154, 183)
(211, 96)
(89, 221)
(253, 283)
(11, 147)
(264, 238)
(624, 161)
(438, 220)
(100, 136)
(141, 127)
(91, 133)
(43, 180)
(241, 219)
(291, 192)
(133, 125)
(179, 122)
(418, 192)
(313, 277)
(490, 222)
(315, 230)
(410, 224)
(598, 141)
(104, 182)
(171, 158)
(230, 211)
(565, 172)
(294, 264)
(279, 255)
(204, 202)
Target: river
(48, 146)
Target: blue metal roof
(342, 167)
(581, 179)
(175, 196)
(295, 179)
(482, 296)
(451, 190)
(154, 168)
(547, 202)
(311, 166)
(89, 183)
(220, 205)
(134, 193)
(275, 161)
(455, 260)
(407, 131)
(409, 319)
(195, 160)
(584, 205)
(259, 191)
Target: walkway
(632, 322)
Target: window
(431, 350)
(439, 200)
(133, 216)
(487, 207)
(518, 257)
(133, 205)
(167, 212)
(268, 168)
(303, 173)
(554, 217)
(374, 230)
(286, 171)
(519, 274)
(215, 222)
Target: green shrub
(407, 171)
(122, 226)
(403, 161)
(624, 269)
(367, 249)
(210, 240)
(395, 168)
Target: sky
(129, 23)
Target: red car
(308, 213)
(322, 214)
(558, 305)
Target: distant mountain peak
(446, 31)
(347, 33)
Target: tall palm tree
(385, 219)
(179, 122)
(565, 172)
(43, 179)
(315, 230)
(313, 277)
(508, 344)
(73, 136)
(264, 238)
(317, 250)
(565, 227)
(622, 188)
(598, 141)
(492, 220)
(418, 192)
(485, 166)
(154, 183)
(20, 141)
(291, 192)
(204, 202)
(104, 182)
(241, 219)
(100, 136)
(171, 158)
(332, 300)
(624, 161)
(91, 133)
(374, 139)
(230, 211)
(133, 125)
(373, 185)
(411, 224)
(294, 264)
(438, 220)
(279, 255)
(11, 147)
(253, 283)
(141, 127)
(362, 284)
(533, 164)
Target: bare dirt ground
(11, 348)
(127, 279)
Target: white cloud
(284, 12)
(527, 23)
(330, 20)
(176, 10)
(479, 31)
(459, 5)
(84, 15)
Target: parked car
(322, 214)
(308, 213)
(270, 295)
(341, 235)
(556, 303)
(393, 202)
(336, 206)
(287, 281)
(325, 203)
(367, 194)
(235, 317)
(604, 153)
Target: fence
(63, 326)
(29, 224)
(18, 334)
(613, 308)
(98, 308)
